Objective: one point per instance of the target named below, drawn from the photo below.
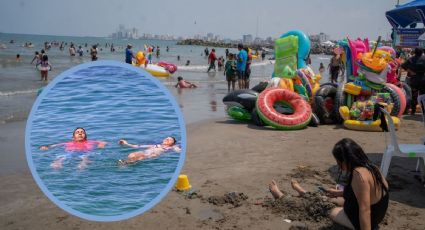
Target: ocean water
(111, 103)
(19, 81)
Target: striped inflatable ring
(400, 102)
(298, 120)
(306, 83)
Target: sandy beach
(225, 157)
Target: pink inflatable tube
(168, 66)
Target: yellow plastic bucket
(183, 183)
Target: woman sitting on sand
(365, 198)
(79, 145)
(151, 151)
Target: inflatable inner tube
(265, 107)
(324, 104)
(244, 98)
(339, 101)
(407, 92)
(398, 98)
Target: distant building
(319, 38)
(247, 39)
(210, 37)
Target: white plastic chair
(395, 149)
(421, 102)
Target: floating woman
(79, 146)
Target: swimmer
(79, 143)
(151, 151)
(184, 84)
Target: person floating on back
(79, 146)
(151, 151)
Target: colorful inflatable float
(370, 83)
(162, 69)
(286, 103)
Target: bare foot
(274, 190)
(297, 187)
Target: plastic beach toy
(183, 183)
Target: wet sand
(227, 157)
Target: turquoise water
(111, 103)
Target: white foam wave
(19, 92)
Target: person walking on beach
(227, 54)
(334, 67)
(44, 68)
(206, 52)
(415, 67)
(211, 60)
(93, 53)
(79, 146)
(220, 63)
(230, 72)
(241, 66)
(184, 84)
(129, 56)
(151, 151)
(366, 195)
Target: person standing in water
(79, 146)
(129, 56)
(45, 67)
(241, 60)
(93, 53)
(211, 60)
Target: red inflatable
(168, 66)
(298, 120)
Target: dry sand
(229, 165)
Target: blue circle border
(59, 203)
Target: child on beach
(184, 84)
(220, 63)
(365, 197)
(321, 68)
(151, 151)
(36, 58)
(44, 68)
(230, 72)
(78, 146)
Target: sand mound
(233, 198)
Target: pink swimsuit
(83, 146)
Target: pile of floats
(294, 99)
(160, 69)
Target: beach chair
(395, 149)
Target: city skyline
(188, 18)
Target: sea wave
(203, 68)
(18, 92)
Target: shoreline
(228, 156)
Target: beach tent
(407, 14)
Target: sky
(227, 18)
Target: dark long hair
(349, 152)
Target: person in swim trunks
(78, 146)
(364, 200)
(151, 151)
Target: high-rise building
(247, 39)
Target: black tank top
(351, 207)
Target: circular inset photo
(105, 141)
